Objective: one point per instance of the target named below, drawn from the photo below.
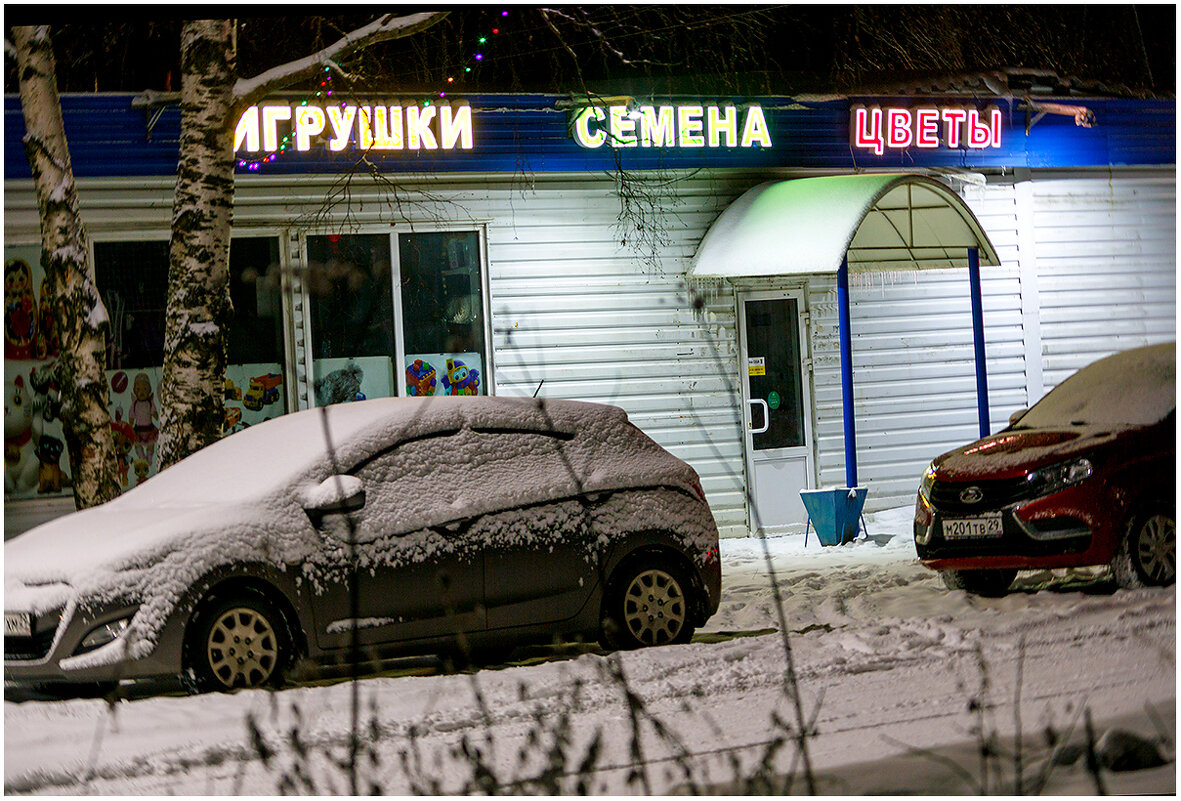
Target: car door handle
(766, 416)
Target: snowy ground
(888, 662)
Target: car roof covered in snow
(272, 454)
(1133, 387)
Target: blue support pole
(978, 340)
(847, 374)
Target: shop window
(256, 333)
(443, 313)
(132, 279)
(349, 280)
(355, 335)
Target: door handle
(766, 416)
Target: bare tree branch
(385, 28)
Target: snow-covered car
(1085, 477)
(418, 525)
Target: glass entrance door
(778, 409)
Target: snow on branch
(603, 39)
(384, 28)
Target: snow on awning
(884, 223)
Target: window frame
(155, 234)
(393, 232)
(480, 230)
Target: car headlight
(927, 483)
(1048, 480)
(101, 635)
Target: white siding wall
(1107, 269)
(571, 303)
(574, 308)
(1088, 268)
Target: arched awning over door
(842, 223)
(810, 225)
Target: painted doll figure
(143, 416)
(46, 345)
(20, 310)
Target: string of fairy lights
(324, 91)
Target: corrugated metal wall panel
(914, 375)
(914, 363)
(572, 303)
(1106, 253)
(573, 307)
(576, 307)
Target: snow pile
(887, 660)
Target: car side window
(460, 475)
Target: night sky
(737, 49)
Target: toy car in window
(1085, 477)
(427, 525)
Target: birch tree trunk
(198, 308)
(78, 310)
(198, 312)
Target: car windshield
(1136, 387)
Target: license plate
(972, 528)
(17, 624)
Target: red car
(1085, 477)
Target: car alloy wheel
(1147, 553)
(654, 607)
(1156, 549)
(241, 644)
(650, 606)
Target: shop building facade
(538, 245)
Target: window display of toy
(339, 386)
(20, 462)
(264, 390)
(124, 436)
(50, 476)
(420, 378)
(459, 380)
(20, 310)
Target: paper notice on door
(756, 365)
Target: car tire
(649, 602)
(1147, 552)
(239, 643)
(987, 583)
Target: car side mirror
(1017, 415)
(334, 495)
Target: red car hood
(1012, 453)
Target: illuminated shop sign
(268, 128)
(671, 126)
(881, 129)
